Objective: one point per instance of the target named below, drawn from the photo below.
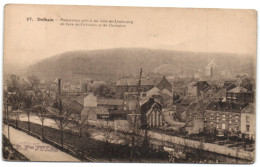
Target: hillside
(110, 64)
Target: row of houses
(223, 110)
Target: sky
(194, 30)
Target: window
(230, 121)
(211, 116)
(211, 124)
(229, 96)
(217, 126)
(217, 119)
(247, 119)
(223, 117)
(236, 119)
(223, 126)
(247, 128)
(230, 129)
(237, 128)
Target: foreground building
(248, 121)
(223, 117)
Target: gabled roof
(238, 89)
(154, 91)
(250, 108)
(167, 92)
(147, 99)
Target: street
(34, 149)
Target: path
(35, 149)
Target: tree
(62, 117)
(41, 103)
(16, 101)
(33, 80)
(81, 122)
(13, 84)
(102, 91)
(27, 105)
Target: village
(130, 116)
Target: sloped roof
(145, 100)
(238, 89)
(97, 110)
(154, 91)
(225, 106)
(250, 108)
(116, 102)
(167, 92)
(188, 100)
(73, 105)
(133, 82)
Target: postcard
(129, 84)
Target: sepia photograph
(129, 84)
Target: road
(35, 149)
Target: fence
(72, 150)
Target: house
(164, 96)
(164, 84)
(110, 104)
(154, 116)
(240, 94)
(214, 93)
(95, 113)
(131, 85)
(195, 117)
(103, 108)
(223, 117)
(182, 107)
(196, 89)
(90, 100)
(248, 121)
(151, 113)
(180, 89)
(130, 102)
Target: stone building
(223, 117)
(248, 121)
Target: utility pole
(135, 116)
(60, 109)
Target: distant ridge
(110, 64)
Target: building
(110, 104)
(240, 95)
(95, 113)
(195, 117)
(182, 106)
(223, 117)
(164, 96)
(103, 108)
(164, 84)
(127, 85)
(151, 113)
(196, 89)
(248, 121)
(90, 100)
